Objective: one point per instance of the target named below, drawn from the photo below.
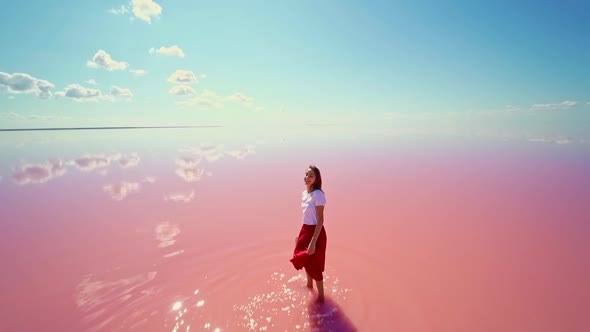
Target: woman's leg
(320, 284)
(309, 280)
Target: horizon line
(104, 128)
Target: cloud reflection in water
(28, 173)
(38, 173)
(180, 197)
(166, 233)
(90, 162)
(190, 174)
(119, 191)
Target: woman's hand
(311, 249)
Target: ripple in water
(102, 302)
(289, 305)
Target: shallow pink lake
(192, 230)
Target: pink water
(193, 232)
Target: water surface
(192, 230)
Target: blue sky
(305, 61)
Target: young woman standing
(310, 247)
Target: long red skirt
(314, 264)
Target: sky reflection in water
(189, 230)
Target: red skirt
(314, 264)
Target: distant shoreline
(106, 128)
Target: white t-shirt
(309, 202)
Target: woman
(310, 247)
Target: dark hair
(317, 184)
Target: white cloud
(146, 9)
(549, 139)
(38, 173)
(121, 92)
(103, 60)
(507, 109)
(44, 117)
(122, 10)
(182, 90)
(238, 96)
(25, 83)
(569, 103)
(561, 106)
(182, 77)
(121, 190)
(138, 72)
(200, 103)
(11, 97)
(172, 50)
(91, 81)
(588, 103)
(203, 76)
(16, 116)
(82, 94)
(208, 93)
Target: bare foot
(320, 284)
